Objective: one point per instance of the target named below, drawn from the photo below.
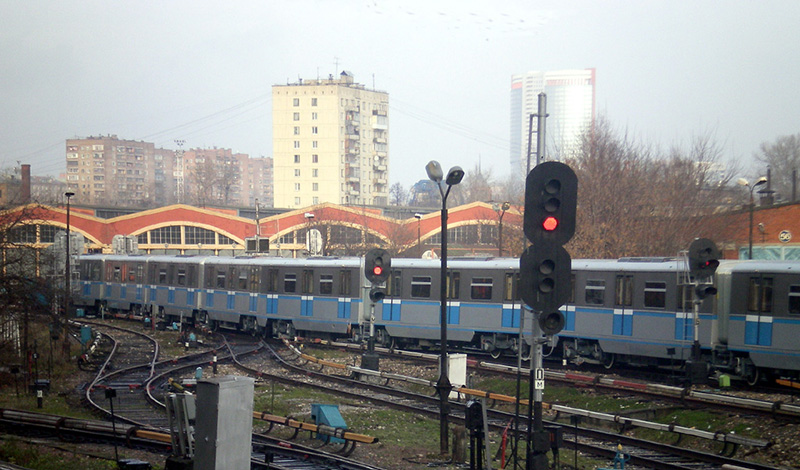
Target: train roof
(759, 266)
(505, 264)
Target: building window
(297, 172)
(296, 102)
(313, 101)
(313, 144)
(314, 158)
(314, 172)
(313, 116)
(296, 116)
(297, 201)
(297, 186)
(314, 130)
(297, 158)
(315, 186)
(297, 144)
(315, 200)
(296, 130)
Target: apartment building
(330, 143)
(108, 171)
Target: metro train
(634, 311)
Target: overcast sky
(202, 71)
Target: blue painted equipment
(327, 415)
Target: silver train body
(632, 311)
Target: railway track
(645, 453)
(135, 382)
(785, 407)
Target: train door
(512, 306)
(623, 305)
(392, 305)
(758, 322)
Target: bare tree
(398, 196)
(634, 201)
(783, 158)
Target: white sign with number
(538, 382)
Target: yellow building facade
(330, 143)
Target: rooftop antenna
(335, 65)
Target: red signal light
(550, 223)
(377, 270)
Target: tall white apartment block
(570, 109)
(330, 143)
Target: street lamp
(744, 182)
(67, 274)
(67, 279)
(309, 244)
(418, 216)
(501, 211)
(454, 176)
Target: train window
(453, 285)
(162, 276)
(152, 275)
(131, 275)
(254, 275)
(595, 291)
(345, 281)
(623, 291)
(221, 279)
(394, 288)
(308, 281)
(759, 295)
(117, 273)
(109, 273)
(655, 294)
(421, 286)
(326, 284)
(510, 283)
(272, 280)
(242, 284)
(481, 288)
(192, 279)
(181, 276)
(794, 299)
(289, 282)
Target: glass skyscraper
(570, 109)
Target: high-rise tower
(570, 109)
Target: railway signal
(703, 258)
(545, 276)
(551, 199)
(377, 263)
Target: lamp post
(744, 182)
(309, 217)
(67, 277)
(418, 216)
(454, 176)
(501, 211)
